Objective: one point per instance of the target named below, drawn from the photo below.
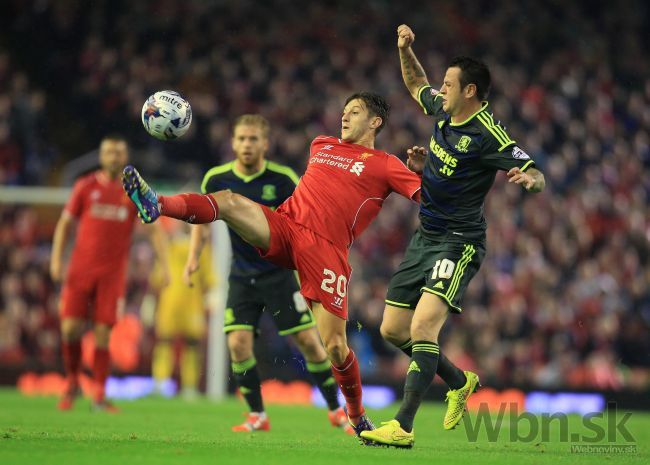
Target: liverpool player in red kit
(96, 275)
(342, 190)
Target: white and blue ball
(166, 115)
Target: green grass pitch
(162, 431)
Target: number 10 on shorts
(443, 269)
(328, 281)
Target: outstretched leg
(243, 215)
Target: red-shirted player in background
(94, 286)
(342, 190)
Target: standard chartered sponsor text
(331, 160)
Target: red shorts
(323, 268)
(96, 296)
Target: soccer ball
(166, 115)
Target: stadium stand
(563, 297)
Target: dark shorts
(442, 267)
(276, 293)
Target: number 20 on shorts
(330, 278)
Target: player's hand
(191, 267)
(56, 271)
(416, 158)
(519, 177)
(405, 36)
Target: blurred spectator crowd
(563, 297)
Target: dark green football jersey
(271, 186)
(460, 168)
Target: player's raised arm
(412, 72)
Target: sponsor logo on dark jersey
(519, 154)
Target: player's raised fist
(405, 36)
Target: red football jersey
(344, 188)
(106, 220)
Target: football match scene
(327, 232)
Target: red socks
(349, 380)
(101, 368)
(192, 208)
(72, 362)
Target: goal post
(217, 359)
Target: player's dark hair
(376, 104)
(475, 72)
